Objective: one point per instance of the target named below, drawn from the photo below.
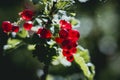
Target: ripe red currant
(70, 58)
(15, 28)
(27, 14)
(63, 33)
(73, 50)
(28, 25)
(66, 53)
(44, 33)
(65, 25)
(6, 26)
(58, 40)
(68, 44)
(74, 35)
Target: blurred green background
(100, 33)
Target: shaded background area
(100, 33)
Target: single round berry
(58, 40)
(63, 33)
(44, 33)
(6, 26)
(15, 28)
(68, 44)
(65, 44)
(66, 53)
(70, 58)
(73, 50)
(39, 30)
(27, 14)
(74, 35)
(65, 25)
(28, 25)
(63, 22)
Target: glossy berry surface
(74, 35)
(68, 44)
(73, 50)
(70, 58)
(27, 14)
(44, 33)
(28, 25)
(67, 39)
(6, 26)
(66, 53)
(15, 28)
(63, 33)
(58, 40)
(65, 25)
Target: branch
(45, 70)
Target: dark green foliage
(44, 52)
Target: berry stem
(45, 70)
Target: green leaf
(81, 62)
(73, 14)
(84, 53)
(35, 1)
(63, 4)
(12, 41)
(23, 33)
(74, 21)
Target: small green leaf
(23, 33)
(80, 61)
(35, 1)
(83, 60)
(12, 41)
(62, 4)
(84, 53)
(73, 21)
(73, 14)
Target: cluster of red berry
(26, 15)
(7, 26)
(67, 39)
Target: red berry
(63, 33)
(58, 40)
(39, 30)
(44, 33)
(70, 58)
(28, 25)
(65, 25)
(74, 35)
(65, 43)
(27, 14)
(6, 26)
(68, 44)
(73, 50)
(66, 53)
(15, 28)
(62, 22)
